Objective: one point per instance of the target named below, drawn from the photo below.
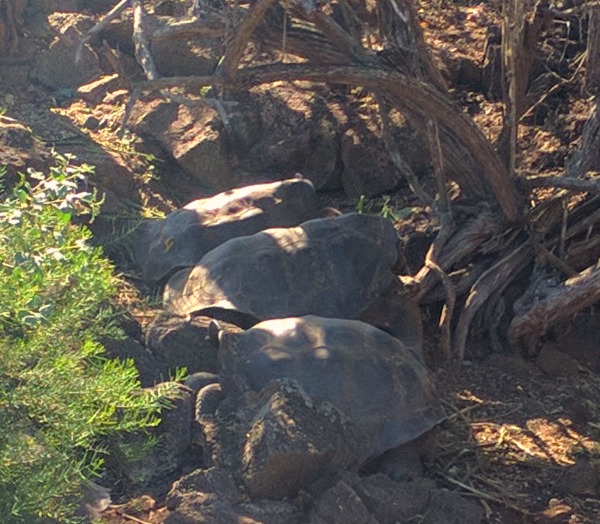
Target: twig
(554, 261)
(513, 25)
(459, 413)
(133, 98)
(106, 19)
(478, 493)
(132, 518)
(563, 231)
(215, 103)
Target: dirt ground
(522, 437)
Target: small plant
(60, 397)
(363, 205)
(388, 211)
(385, 209)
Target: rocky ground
(522, 437)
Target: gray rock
(56, 67)
(378, 499)
(210, 496)
(291, 441)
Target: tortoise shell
(332, 267)
(368, 375)
(180, 240)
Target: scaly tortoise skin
(332, 267)
(180, 240)
(368, 375)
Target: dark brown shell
(186, 235)
(333, 267)
(370, 376)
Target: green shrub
(59, 396)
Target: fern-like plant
(60, 397)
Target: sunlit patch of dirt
(511, 438)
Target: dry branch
(142, 46)
(563, 182)
(519, 46)
(495, 279)
(567, 299)
(106, 19)
(332, 30)
(437, 247)
(303, 41)
(592, 68)
(243, 33)
(399, 25)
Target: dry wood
(587, 156)
(104, 21)
(520, 38)
(554, 261)
(592, 66)
(564, 182)
(140, 39)
(243, 33)
(462, 281)
(344, 43)
(567, 299)
(437, 247)
(399, 26)
(483, 234)
(303, 42)
(513, 24)
(495, 279)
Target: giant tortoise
(374, 379)
(332, 267)
(160, 247)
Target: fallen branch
(563, 182)
(570, 297)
